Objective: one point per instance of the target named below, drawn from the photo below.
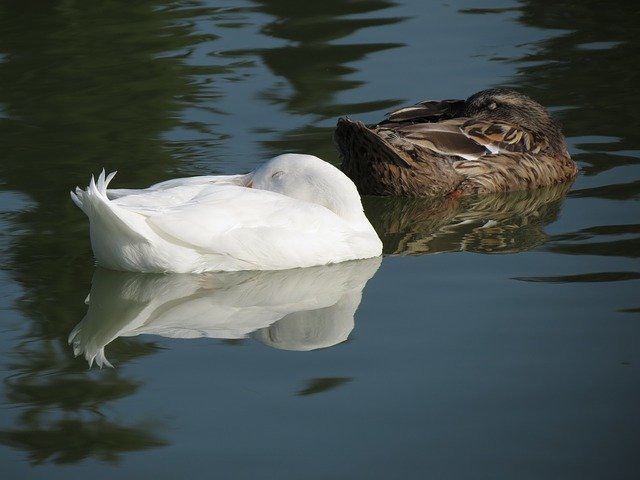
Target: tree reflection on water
(84, 87)
(316, 66)
(589, 69)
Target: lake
(494, 339)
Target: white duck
(294, 211)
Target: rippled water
(467, 364)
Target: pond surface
(499, 339)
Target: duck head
(504, 105)
(311, 179)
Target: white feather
(300, 212)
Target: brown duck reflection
(496, 223)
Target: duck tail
(95, 203)
(360, 143)
(81, 197)
(113, 228)
(365, 156)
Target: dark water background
(514, 355)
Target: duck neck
(348, 206)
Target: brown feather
(503, 136)
(427, 110)
(496, 140)
(446, 139)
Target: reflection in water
(315, 65)
(63, 420)
(71, 440)
(319, 385)
(498, 223)
(585, 277)
(299, 309)
(589, 70)
(604, 241)
(597, 81)
(80, 85)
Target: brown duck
(497, 140)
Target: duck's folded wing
(426, 111)
(444, 137)
(172, 193)
(503, 137)
(468, 138)
(254, 226)
(187, 182)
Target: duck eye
(493, 106)
(277, 174)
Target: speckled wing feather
(503, 137)
(445, 138)
(488, 156)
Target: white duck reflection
(299, 309)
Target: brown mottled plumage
(495, 141)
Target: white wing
(195, 183)
(254, 226)
(195, 225)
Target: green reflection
(90, 84)
(316, 62)
(72, 440)
(592, 65)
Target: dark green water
(515, 354)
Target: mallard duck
(497, 140)
(294, 211)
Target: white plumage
(294, 211)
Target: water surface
(496, 339)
